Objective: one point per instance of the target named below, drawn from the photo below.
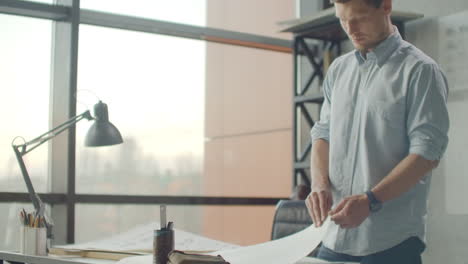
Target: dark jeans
(407, 252)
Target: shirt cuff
(319, 132)
(428, 149)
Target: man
(383, 127)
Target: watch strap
(374, 204)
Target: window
(25, 78)
(154, 88)
(216, 222)
(197, 118)
(259, 17)
(248, 122)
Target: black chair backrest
(290, 217)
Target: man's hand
(351, 212)
(319, 202)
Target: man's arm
(319, 200)
(353, 210)
(403, 177)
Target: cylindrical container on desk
(33, 241)
(163, 243)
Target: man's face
(364, 24)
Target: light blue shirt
(376, 111)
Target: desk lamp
(101, 133)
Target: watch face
(374, 207)
(374, 204)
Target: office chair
(291, 216)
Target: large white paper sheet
(288, 250)
(148, 259)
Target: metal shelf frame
(301, 150)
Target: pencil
(22, 218)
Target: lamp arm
(36, 142)
(36, 200)
(32, 194)
(22, 149)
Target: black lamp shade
(102, 132)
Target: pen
(25, 217)
(169, 225)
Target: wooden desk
(17, 258)
(14, 257)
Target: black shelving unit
(303, 98)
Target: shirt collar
(383, 51)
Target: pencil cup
(163, 244)
(33, 241)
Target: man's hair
(375, 3)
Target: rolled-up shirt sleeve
(427, 119)
(321, 128)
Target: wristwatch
(374, 204)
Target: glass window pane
(154, 88)
(10, 220)
(248, 122)
(25, 79)
(258, 17)
(179, 11)
(217, 222)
